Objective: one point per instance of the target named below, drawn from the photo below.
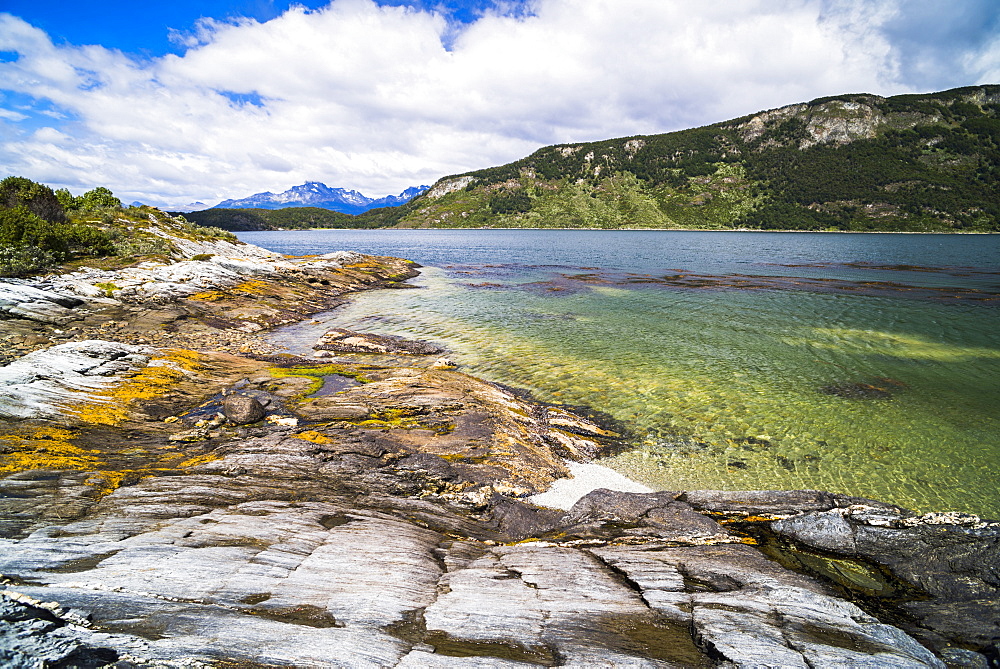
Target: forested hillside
(289, 218)
(851, 162)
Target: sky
(169, 103)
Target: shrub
(24, 260)
(20, 227)
(37, 198)
(99, 198)
(30, 243)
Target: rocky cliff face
(836, 122)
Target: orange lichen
(313, 436)
(110, 406)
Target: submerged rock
(348, 341)
(857, 390)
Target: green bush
(29, 243)
(20, 227)
(37, 198)
(24, 260)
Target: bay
(867, 364)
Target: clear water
(863, 364)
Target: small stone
(444, 363)
(285, 421)
(242, 410)
(36, 340)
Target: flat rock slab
(348, 341)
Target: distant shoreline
(830, 232)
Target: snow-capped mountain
(316, 194)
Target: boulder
(242, 409)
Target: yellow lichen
(110, 406)
(208, 296)
(199, 460)
(313, 436)
(402, 423)
(253, 287)
(45, 448)
(106, 482)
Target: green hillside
(289, 218)
(852, 162)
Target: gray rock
(950, 563)
(332, 408)
(20, 300)
(608, 513)
(774, 502)
(242, 409)
(32, 636)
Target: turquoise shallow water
(864, 364)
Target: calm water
(865, 364)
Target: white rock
(21, 300)
(43, 383)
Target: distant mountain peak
(318, 194)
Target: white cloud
(369, 97)
(12, 115)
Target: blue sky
(172, 102)
(145, 28)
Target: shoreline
(846, 232)
(147, 462)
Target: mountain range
(316, 194)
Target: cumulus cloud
(379, 98)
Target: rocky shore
(175, 492)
